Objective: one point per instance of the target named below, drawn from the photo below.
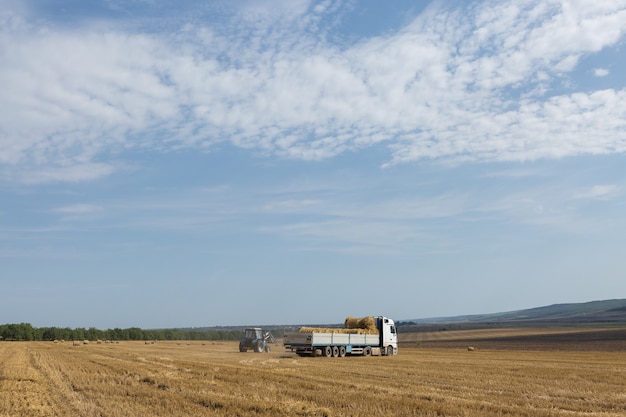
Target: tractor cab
(255, 333)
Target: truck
(381, 339)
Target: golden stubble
(134, 379)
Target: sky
(188, 163)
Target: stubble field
(132, 379)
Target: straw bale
(352, 325)
(327, 330)
(367, 323)
(337, 330)
(367, 331)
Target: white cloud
(470, 84)
(79, 209)
(600, 72)
(251, 9)
(599, 192)
(54, 173)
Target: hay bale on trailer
(365, 323)
(352, 325)
(328, 330)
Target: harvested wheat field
(577, 338)
(134, 379)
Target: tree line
(26, 332)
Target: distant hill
(606, 311)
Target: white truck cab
(389, 335)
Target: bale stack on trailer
(352, 325)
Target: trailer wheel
(342, 351)
(327, 351)
(367, 351)
(335, 351)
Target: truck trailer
(380, 339)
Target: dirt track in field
(27, 388)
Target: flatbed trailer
(340, 344)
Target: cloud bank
(486, 81)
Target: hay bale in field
(471, 348)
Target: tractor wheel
(242, 347)
(259, 347)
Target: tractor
(254, 338)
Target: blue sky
(189, 163)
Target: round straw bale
(367, 323)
